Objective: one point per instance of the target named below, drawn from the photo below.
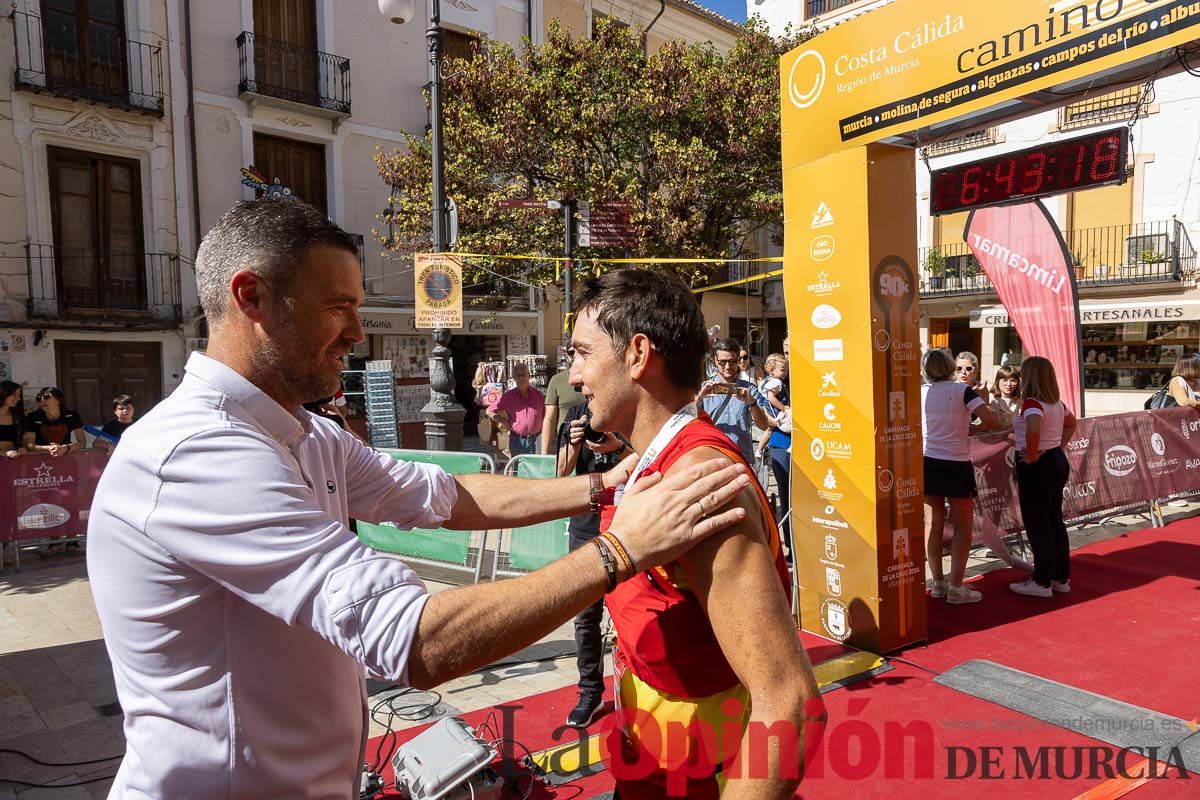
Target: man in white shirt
(239, 611)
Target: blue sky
(734, 9)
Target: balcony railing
(1116, 255)
(98, 66)
(73, 283)
(289, 72)
(813, 8)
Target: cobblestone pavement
(58, 703)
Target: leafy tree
(688, 136)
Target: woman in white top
(946, 410)
(1044, 425)
(1185, 381)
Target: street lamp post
(443, 415)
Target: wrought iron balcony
(274, 70)
(140, 289)
(92, 65)
(1112, 256)
(814, 8)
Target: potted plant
(935, 268)
(1153, 262)
(1077, 264)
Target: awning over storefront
(475, 323)
(1145, 309)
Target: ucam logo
(806, 79)
(826, 316)
(1119, 460)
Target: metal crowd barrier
(522, 550)
(461, 551)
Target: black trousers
(1040, 492)
(589, 643)
(781, 466)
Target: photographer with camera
(733, 404)
(582, 451)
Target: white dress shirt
(238, 609)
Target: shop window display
(1135, 355)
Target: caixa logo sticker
(1120, 460)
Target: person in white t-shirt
(1043, 427)
(946, 410)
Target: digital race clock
(1085, 162)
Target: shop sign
(475, 323)
(439, 301)
(1149, 310)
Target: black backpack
(1161, 399)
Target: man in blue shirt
(732, 403)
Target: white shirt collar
(287, 428)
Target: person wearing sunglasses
(749, 370)
(947, 407)
(734, 405)
(53, 428)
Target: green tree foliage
(689, 137)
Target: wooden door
(298, 165)
(84, 47)
(95, 205)
(92, 373)
(939, 333)
(285, 48)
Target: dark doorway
(92, 373)
(300, 166)
(96, 209)
(285, 48)
(84, 47)
(467, 352)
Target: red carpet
(1127, 630)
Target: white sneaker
(961, 595)
(1031, 588)
(938, 590)
(1062, 587)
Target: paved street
(58, 702)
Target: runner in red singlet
(706, 646)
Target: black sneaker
(585, 711)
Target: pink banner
(1023, 253)
(42, 496)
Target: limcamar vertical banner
(1023, 253)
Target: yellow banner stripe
(773, 273)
